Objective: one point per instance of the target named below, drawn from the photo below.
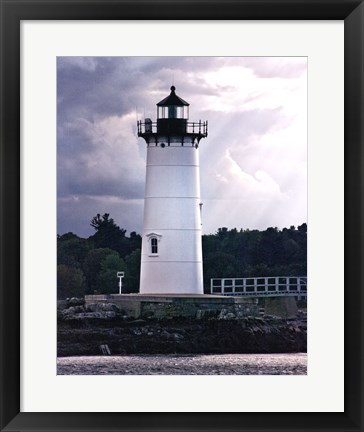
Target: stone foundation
(160, 306)
(283, 307)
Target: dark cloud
(75, 213)
(101, 162)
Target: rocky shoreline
(104, 329)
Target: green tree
(248, 253)
(132, 275)
(72, 250)
(70, 282)
(219, 265)
(227, 253)
(92, 267)
(135, 241)
(107, 281)
(302, 228)
(108, 234)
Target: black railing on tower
(194, 128)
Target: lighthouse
(171, 259)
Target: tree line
(89, 265)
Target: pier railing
(261, 286)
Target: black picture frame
(12, 12)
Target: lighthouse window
(154, 245)
(166, 112)
(172, 111)
(180, 112)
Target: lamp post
(120, 275)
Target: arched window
(153, 245)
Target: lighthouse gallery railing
(191, 127)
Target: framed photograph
(42, 45)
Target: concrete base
(162, 306)
(282, 307)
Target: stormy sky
(253, 162)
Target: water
(210, 364)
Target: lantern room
(172, 115)
(172, 125)
(173, 107)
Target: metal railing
(196, 128)
(260, 286)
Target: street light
(120, 275)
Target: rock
(74, 301)
(222, 314)
(108, 307)
(165, 335)
(93, 307)
(83, 333)
(62, 304)
(104, 307)
(200, 314)
(73, 314)
(226, 315)
(70, 311)
(137, 321)
(109, 315)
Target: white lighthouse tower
(171, 261)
